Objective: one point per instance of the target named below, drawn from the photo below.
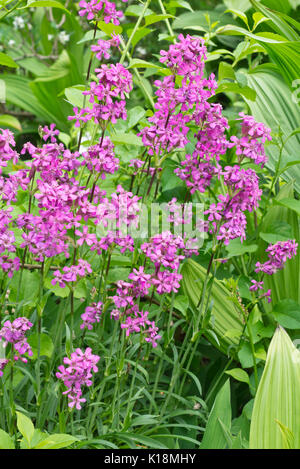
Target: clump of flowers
(71, 274)
(3, 363)
(251, 144)
(165, 251)
(14, 333)
(77, 373)
(7, 153)
(278, 254)
(91, 315)
(100, 9)
(137, 321)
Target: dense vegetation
(149, 224)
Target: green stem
(38, 362)
(138, 77)
(137, 24)
(12, 9)
(92, 418)
(167, 20)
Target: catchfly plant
(148, 217)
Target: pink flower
(77, 373)
(91, 315)
(91, 8)
(14, 333)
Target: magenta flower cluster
(107, 97)
(91, 315)
(76, 374)
(165, 251)
(278, 254)
(99, 9)
(71, 274)
(14, 333)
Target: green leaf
(242, 5)
(89, 36)
(150, 19)
(56, 441)
(10, 121)
(144, 420)
(138, 63)
(46, 345)
(240, 14)
(237, 248)
(136, 10)
(18, 92)
(74, 96)
(134, 116)
(287, 314)
(201, 20)
(292, 204)
(286, 282)
(226, 71)
(140, 439)
(180, 4)
(273, 238)
(139, 34)
(278, 23)
(109, 28)
(29, 288)
(245, 48)
(6, 441)
(278, 397)
(45, 3)
(285, 56)
(224, 316)
(258, 18)
(68, 340)
(275, 107)
(239, 375)
(265, 37)
(181, 303)
(127, 139)
(60, 69)
(287, 436)
(7, 61)
(245, 91)
(25, 426)
(214, 436)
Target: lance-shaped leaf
(275, 420)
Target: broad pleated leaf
(224, 317)
(275, 420)
(275, 106)
(286, 282)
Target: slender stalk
(137, 24)
(138, 77)
(167, 20)
(72, 318)
(87, 79)
(11, 10)
(92, 417)
(39, 330)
